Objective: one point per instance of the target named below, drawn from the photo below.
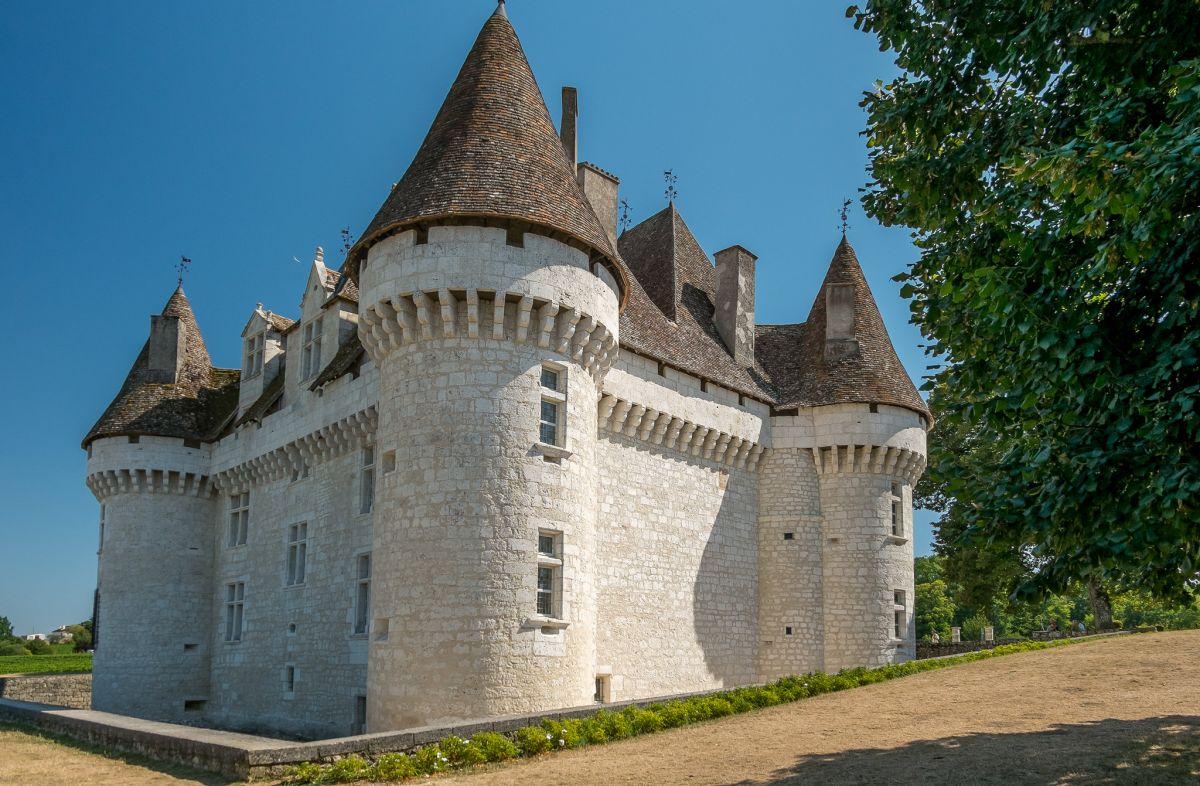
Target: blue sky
(245, 134)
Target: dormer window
(312, 348)
(254, 355)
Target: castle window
(289, 681)
(362, 597)
(103, 511)
(554, 397)
(239, 518)
(900, 626)
(254, 355)
(366, 480)
(549, 574)
(789, 536)
(360, 715)
(297, 553)
(235, 596)
(897, 498)
(311, 354)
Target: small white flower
(549, 736)
(561, 742)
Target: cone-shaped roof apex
(192, 407)
(493, 152)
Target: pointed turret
(493, 155)
(845, 347)
(172, 390)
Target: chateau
(503, 460)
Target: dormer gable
(263, 356)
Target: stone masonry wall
(64, 690)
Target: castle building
(504, 460)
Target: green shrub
(429, 759)
(675, 714)
(11, 648)
(645, 721)
(564, 733)
(394, 767)
(348, 768)
(533, 740)
(306, 772)
(460, 752)
(495, 747)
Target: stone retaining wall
(64, 690)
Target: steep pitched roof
(669, 311)
(493, 152)
(193, 407)
(806, 374)
(345, 361)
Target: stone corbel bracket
(869, 459)
(325, 443)
(106, 483)
(619, 416)
(406, 319)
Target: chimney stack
(840, 338)
(735, 302)
(568, 128)
(167, 348)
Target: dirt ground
(1124, 710)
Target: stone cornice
(620, 416)
(106, 483)
(869, 459)
(330, 441)
(420, 316)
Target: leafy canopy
(1047, 157)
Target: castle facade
(503, 460)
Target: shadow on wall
(1152, 750)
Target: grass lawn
(45, 664)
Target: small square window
(550, 378)
(548, 427)
(787, 631)
(789, 536)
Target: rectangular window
(254, 355)
(360, 715)
(297, 553)
(898, 509)
(289, 680)
(549, 574)
(311, 355)
(366, 487)
(901, 615)
(239, 518)
(100, 548)
(235, 596)
(362, 598)
(550, 431)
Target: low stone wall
(64, 690)
(927, 650)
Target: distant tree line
(10, 644)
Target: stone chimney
(840, 339)
(600, 188)
(568, 129)
(167, 348)
(735, 302)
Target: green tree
(1047, 158)
(37, 647)
(935, 609)
(81, 637)
(6, 629)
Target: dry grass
(1116, 711)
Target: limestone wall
(63, 690)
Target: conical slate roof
(806, 374)
(193, 407)
(493, 153)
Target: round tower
(489, 297)
(148, 467)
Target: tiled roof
(194, 407)
(279, 323)
(493, 152)
(669, 312)
(343, 285)
(806, 375)
(347, 359)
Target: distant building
(34, 637)
(503, 460)
(60, 636)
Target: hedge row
(455, 752)
(45, 664)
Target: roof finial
(319, 257)
(501, 9)
(182, 268)
(845, 214)
(624, 215)
(671, 192)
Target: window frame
(239, 520)
(235, 611)
(310, 352)
(552, 399)
(255, 346)
(550, 564)
(297, 555)
(361, 625)
(366, 479)
(899, 529)
(899, 614)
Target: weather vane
(845, 214)
(182, 267)
(346, 244)
(670, 178)
(624, 215)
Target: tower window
(554, 398)
(362, 597)
(900, 616)
(360, 714)
(897, 499)
(239, 518)
(253, 364)
(289, 681)
(235, 596)
(789, 536)
(297, 553)
(103, 512)
(549, 573)
(311, 354)
(366, 487)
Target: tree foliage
(1047, 157)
